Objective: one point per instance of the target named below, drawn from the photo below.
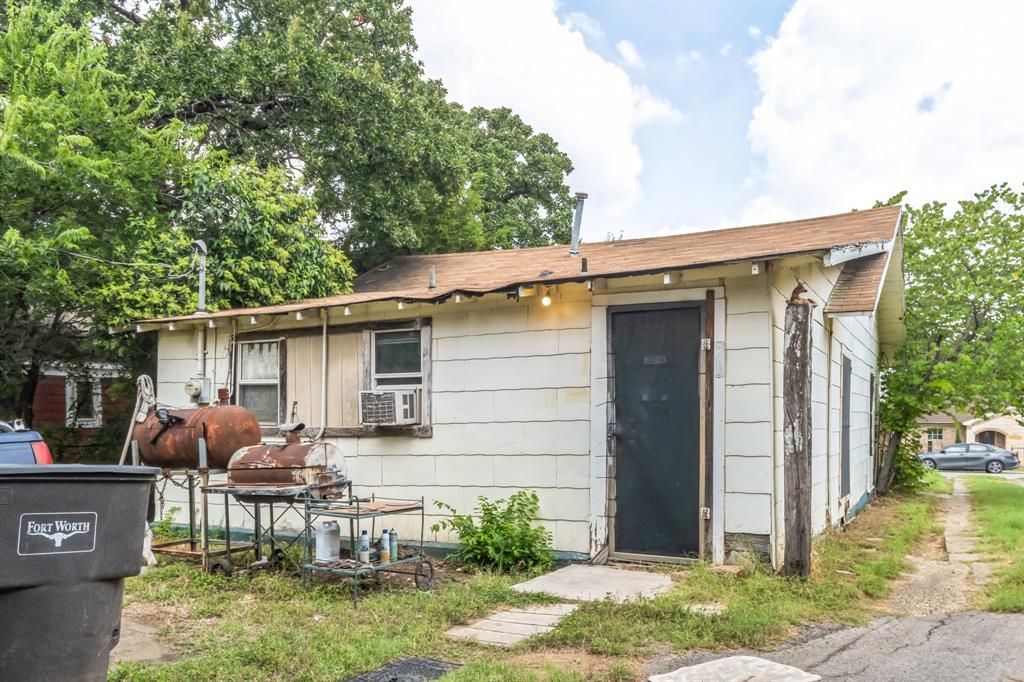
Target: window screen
(397, 358)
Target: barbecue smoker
(280, 471)
(264, 480)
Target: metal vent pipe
(574, 248)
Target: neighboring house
(73, 400)
(940, 430)
(637, 386)
(71, 407)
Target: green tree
(79, 168)
(965, 321)
(334, 90)
(100, 208)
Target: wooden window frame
(278, 381)
(374, 374)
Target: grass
(761, 609)
(268, 626)
(934, 482)
(999, 515)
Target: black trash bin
(69, 535)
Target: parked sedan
(971, 456)
(21, 446)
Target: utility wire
(97, 259)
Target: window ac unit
(389, 408)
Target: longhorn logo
(59, 537)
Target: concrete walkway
(510, 626)
(581, 582)
(945, 577)
(576, 583)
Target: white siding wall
(510, 408)
(514, 395)
(748, 425)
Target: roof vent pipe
(432, 283)
(574, 248)
(200, 247)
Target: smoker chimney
(574, 248)
(432, 280)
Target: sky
(681, 116)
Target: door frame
(705, 464)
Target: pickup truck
(21, 446)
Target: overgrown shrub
(502, 534)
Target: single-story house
(1001, 430)
(664, 396)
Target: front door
(655, 433)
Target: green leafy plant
(164, 528)
(502, 534)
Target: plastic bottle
(393, 537)
(385, 547)
(364, 548)
(328, 542)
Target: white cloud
(861, 101)
(754, 31)
(521, 56)
(725, 49)
(627, 50)
(691, 57)
(578, 21)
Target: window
(397, 359)
(83, 400)
(934, 439)
(957, 449)
(258, 379)
(844, 451)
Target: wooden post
(796, 435)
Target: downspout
(323, 379)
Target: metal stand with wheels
(357, 511)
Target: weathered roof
(858, 286)
(407, 277)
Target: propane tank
(169, 439)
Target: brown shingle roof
(406, 277)
(858, 285)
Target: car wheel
(929, 463)
(994, 467)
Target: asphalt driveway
(958, 647)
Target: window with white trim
(934, 439)
(397, 359)
(259, 374)
(83, 399)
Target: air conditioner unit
(389, 408)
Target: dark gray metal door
(656, 430)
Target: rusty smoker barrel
(285, 464)
(176, 444)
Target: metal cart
(252, 499)
(356, 511)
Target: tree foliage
(333, 89)
(964, 317)
(100, 208)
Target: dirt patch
(577, 660)
(171, 622)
